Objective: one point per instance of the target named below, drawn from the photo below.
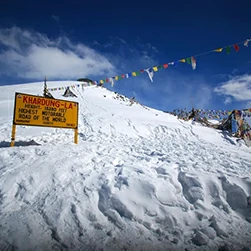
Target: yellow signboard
(40, 111)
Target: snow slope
(139, 179)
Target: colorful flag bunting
(150, 71)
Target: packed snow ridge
(139, 179)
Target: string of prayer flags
(190, 60)
(151, 70)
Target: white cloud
(249, 104)
(228, 100)
(32, 55)
(237, 88)
(202, 96)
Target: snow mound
(139, 179)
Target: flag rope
(150, 71)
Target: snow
(139, 179)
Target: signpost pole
(13, 135)
(76, 136)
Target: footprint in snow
(118, 162)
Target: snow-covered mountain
(139, 179)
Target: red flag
(236, 47)
(193, 63)
(165, 65)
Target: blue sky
(66, 40)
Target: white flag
(246, 42)
(150, 73)
(111, 80)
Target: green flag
(228, 50)
(188, 60)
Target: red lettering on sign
(45, 102)
(24, 99)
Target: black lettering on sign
(50, 108)
(70, 124)
(50, 113)
(24, 116)
(46, 118)
(59, 119)
(22, 121)
(24, 110)
(62, 110)
(32, 106)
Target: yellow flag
(134, 74)
(183, 60)
(155, 68)
(117, 78)
(219, 50)
(101, 81)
